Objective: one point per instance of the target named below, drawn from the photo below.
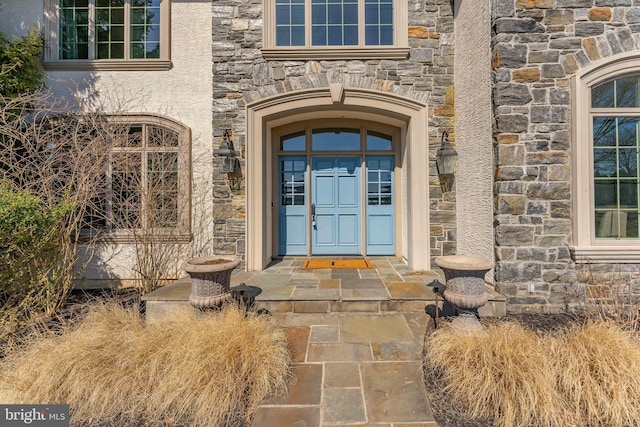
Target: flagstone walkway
(352, 369)
(356, 337)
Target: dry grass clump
(598, 368)
(500, 373)
(585, 375)
(207, 370)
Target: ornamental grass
(209, 369)
(583, 375)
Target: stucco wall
(182, 93)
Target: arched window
(147, 180)
(615, 123)
(607, 153)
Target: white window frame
(588, 249)
(398, 50)
(54, 63)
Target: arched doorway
(297, 119)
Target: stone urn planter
(464, 276)
(210, 279)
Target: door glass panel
(335, 139)
(379, 185)
(292, 188)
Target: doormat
(337, 263)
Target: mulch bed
(75, 308)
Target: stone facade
(242, 75)
(538, 45)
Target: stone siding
(242, 75)
(538, 45)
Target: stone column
(473, 128)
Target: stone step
(163, 301)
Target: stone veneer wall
(242, 75)
(538, 46)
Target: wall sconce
(227, 153)
(446, 163)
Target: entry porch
(287, 286)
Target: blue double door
(322, 208)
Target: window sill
(130, 238)
(109, 65)
(302, 53)
(606, 254)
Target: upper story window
(606, 179)
(325, 29)
(108, 34)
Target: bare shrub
(598, 369)
(501, 374)
(208, 370)
(58, 157)
(608, 296)
(82, 160)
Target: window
(607, 205)
(335, 28)
(335, 139)
(108, 34)
(616, 147)
(148, 177)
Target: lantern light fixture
(227, 153)
(446, 163)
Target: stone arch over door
(406, 114)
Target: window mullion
(307, 23)
(91, 36)
(127, 29)
(361, 23)
(637, 177)
(109, 194)
(145, 191)
(618, 182)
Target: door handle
(313, 214)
